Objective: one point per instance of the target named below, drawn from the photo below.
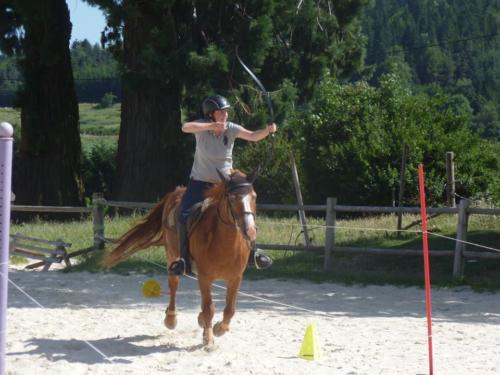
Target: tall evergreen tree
(48, 169)
(175, 52)
(146, 38)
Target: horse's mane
(217, 192)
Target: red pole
(426, 263)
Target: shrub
(108, 100)
(352, 138)
(98, 168)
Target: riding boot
(182, 265)
(258, 258)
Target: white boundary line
(256, 297)
(93, 347)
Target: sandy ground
(361, 330)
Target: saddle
(196, 214)
(194, 217)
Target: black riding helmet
(214, 103)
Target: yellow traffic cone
(310, 349)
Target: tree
(314, 40)
(95, 72)
(487, 122)
(173, 53)
(146, 37)
(351, 140)
(48, 169)
(452, 43)
(9, 80)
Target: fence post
(402, 186)
(450, 180)
(331, 219)
(458, 262)
(98, 202)
(6, 146)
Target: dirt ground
(101, 324)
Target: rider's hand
(218, 127)
(272, 128)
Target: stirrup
(261, 260)
(177, 268)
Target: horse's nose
(250, 229)
(252, 232)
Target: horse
(220, 242)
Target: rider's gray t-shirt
(214, 153)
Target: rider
(215, 137)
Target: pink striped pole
(425, 241)
(6, 143)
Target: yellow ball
(151, 288)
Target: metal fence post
(458, 262)
(6, 145)
(98, 203)
(331, 219)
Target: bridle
(231, 191)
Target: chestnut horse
(219, 243)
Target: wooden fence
(330, 210)
(459, 252)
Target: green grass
(99, 121)
(481, 274)
(93, 119)
(379, 232)
(10, 115)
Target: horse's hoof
(170, 319)
(170, 322)
(208, 339)
(210, 348)
(220, 328)
(201, 322)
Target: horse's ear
(223, 176)
(252, 176)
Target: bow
(270, 153)
(262, 88)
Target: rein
(243, 187)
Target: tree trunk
(152, 151)
(49, 167)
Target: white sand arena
(361, 330)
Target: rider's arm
(257, 135)
(198, 126)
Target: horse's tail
(145, 234)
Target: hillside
(452, 45)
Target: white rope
(339, 227)
(254, 296)
(466, 242)
(383, 230)
(43, 307)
